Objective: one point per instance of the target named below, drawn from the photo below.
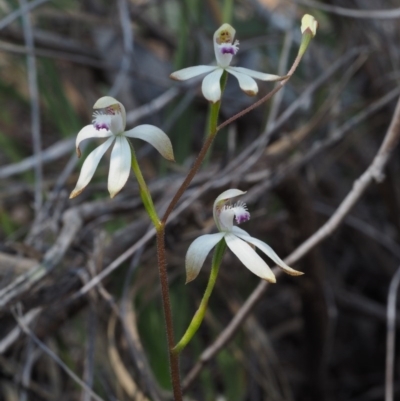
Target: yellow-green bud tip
(309, 24)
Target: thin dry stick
(351, 13)
(89, 363)
(391, 335)
(116, 263)
(34, 98)
(251, 160)
(127, 34)
(366, 229)
(53, 152)
(55, 54)
(133, 339)
(17, 13)
(121, 372)
(268, 96)
(152, 107)
(374, 171)
(242, 157)
(14, 334)
(32, 356)
(283, 65)
(52, 355)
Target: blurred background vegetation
(316, 337)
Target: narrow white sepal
(225, 219)
(255, 74)
(89, 131)
(120, 165)
(89, 167)
(118, 123)
(240, 232)
(211, 86)
(246, 83)
(247, 255)
(191, 72)
(262, 246)
(155, 137)
(197, 253)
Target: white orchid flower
(109, 121)
(237, 240)
(225, 48)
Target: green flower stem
(305, 41)
(227, 9)
(200, 313)
(215, 107)
(212, 132)
(144, 190)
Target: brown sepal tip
(74, 193)
(295, 274)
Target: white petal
(89, 167)
(256, 74)
(211, 86)
(246, 83)
(154, 136)
(247, 255)
(239, 232)
(90, 132)
(224, 219)
(120, 165)
(191, 72)
(118, 123)
(223, 60)
(262, 246)
(197, 253)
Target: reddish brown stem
(162, 270)
(265, 98)
(189, 177)
(253, 106)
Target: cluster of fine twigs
(80, 309)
